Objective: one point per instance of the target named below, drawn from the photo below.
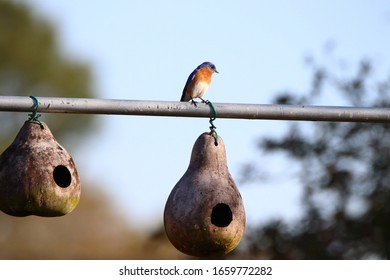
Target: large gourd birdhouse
(37, 175)
(204, 215)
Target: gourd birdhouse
(204, 215)
(37, 175)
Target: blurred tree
(31, 63)
(344, 171)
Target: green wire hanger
(213, 131)
(34, 115)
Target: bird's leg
(193, 102)
(204, 101)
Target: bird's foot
(204, 101)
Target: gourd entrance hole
(62, 176)
(221, 215)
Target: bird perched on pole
(198, 82)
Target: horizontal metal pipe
(186, 109)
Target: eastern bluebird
(198, 82)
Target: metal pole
(186, 109)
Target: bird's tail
(184, 97)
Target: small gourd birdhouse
(204, 215)
(37, 175)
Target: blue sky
(145, 50)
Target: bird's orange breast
(203, 75)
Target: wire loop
(213, 131)
(34, 115)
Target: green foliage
(31, 63)
(344, 171)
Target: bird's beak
(216, 71)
